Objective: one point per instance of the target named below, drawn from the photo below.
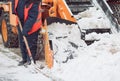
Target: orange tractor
(8, 29)
(61, 11)
(53, 11)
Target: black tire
(10, 39)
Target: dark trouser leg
(22, 46)
(32, 41)
(23, 51)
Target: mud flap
(49, 52)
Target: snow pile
(97, 62)
(93, 18)
(65, 39)
(95, 36)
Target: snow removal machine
(54, 13)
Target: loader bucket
(49, 52)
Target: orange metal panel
(48, 51)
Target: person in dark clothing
(28, 13)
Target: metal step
(98, 31)
(77, 6)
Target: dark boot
(22, 63)
(27, 63)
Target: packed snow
(9, 71)
(73, 59)
(93, 18)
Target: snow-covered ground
(9, 71)
(97, 62)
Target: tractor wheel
(10, 39)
